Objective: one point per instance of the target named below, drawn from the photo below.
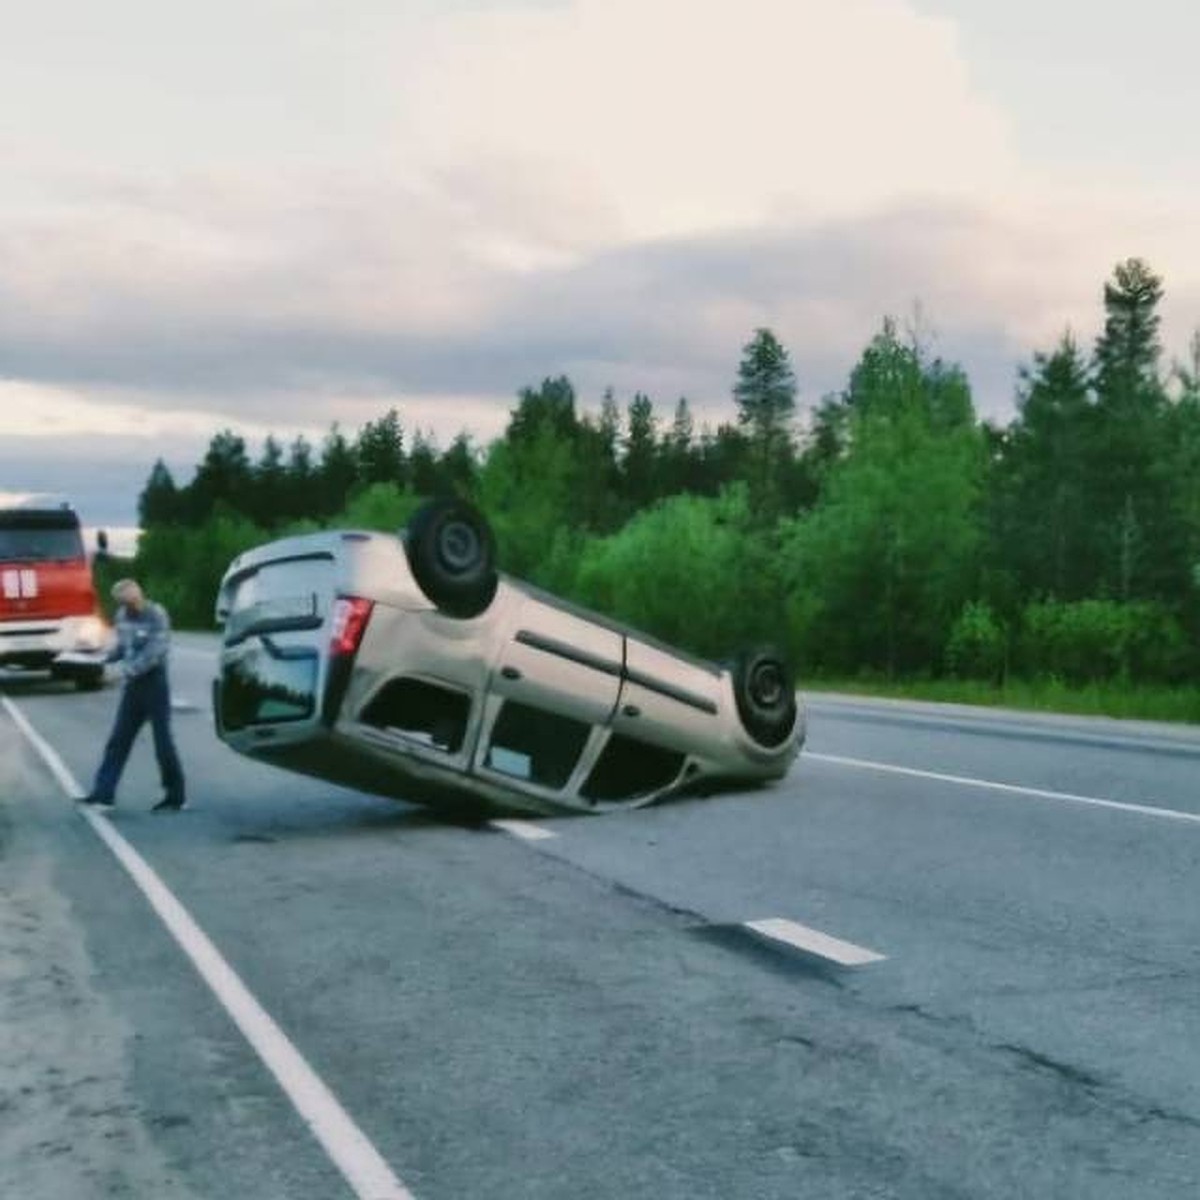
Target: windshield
(40, 545)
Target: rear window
(40, 537)
(262, 687)
(290, 593)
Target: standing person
(143, 641)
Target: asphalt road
(588, 1014)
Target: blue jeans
(144, 698)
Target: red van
(49, 618)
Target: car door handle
(631, 710)
(510, 672)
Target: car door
(668, 699)
(553, 687)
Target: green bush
(976, 648)
(690, 570)
(383, 507)
(1094, 640)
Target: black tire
(452, 554)
(90, 681)
(766, 696)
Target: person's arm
(151, 640)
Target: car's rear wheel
(766, 696)
(452, 554)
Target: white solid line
(1145, 810)
(526, 830)
(348, 1148)
(847, 954)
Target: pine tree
(423, 465)
(299, 480)
(223, 478)
(460, 466)
(1143, 550)
(268, 495)
(1129, 350)
(380, 451)
(677, 473)
(552, 404)
(159, 502)
(765, 393)
(765, 390)
(338, 472)
(638, 465)
(1042, 527)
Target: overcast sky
(273, 214)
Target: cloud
(199, 310)
(621, 190)
(686, 116)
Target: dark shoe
(167, 804)
(98, 801)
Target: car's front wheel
(766, 696)
(452, 555)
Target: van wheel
(90, 681)
(452, 554)
(766, 696)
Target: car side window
(628, 767)
(535, 745)
(422, 711)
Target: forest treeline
(888, 531)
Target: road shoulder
(68, 1123)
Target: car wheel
(766, 696)
(452, 554)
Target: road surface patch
(369, 1176)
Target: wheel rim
(458, 547)
(766, 685)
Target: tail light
(350, 615)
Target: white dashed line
(1145, 810)
(813, 941)
(347, 1146)
(526, 830)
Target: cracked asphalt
(587, 1016)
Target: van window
(424, 711)
(535, 745)
(40, 537)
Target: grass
(1140, 702)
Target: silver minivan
(408, 666)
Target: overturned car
(408, 666)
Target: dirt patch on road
(69, 1126)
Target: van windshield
(28, 542)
